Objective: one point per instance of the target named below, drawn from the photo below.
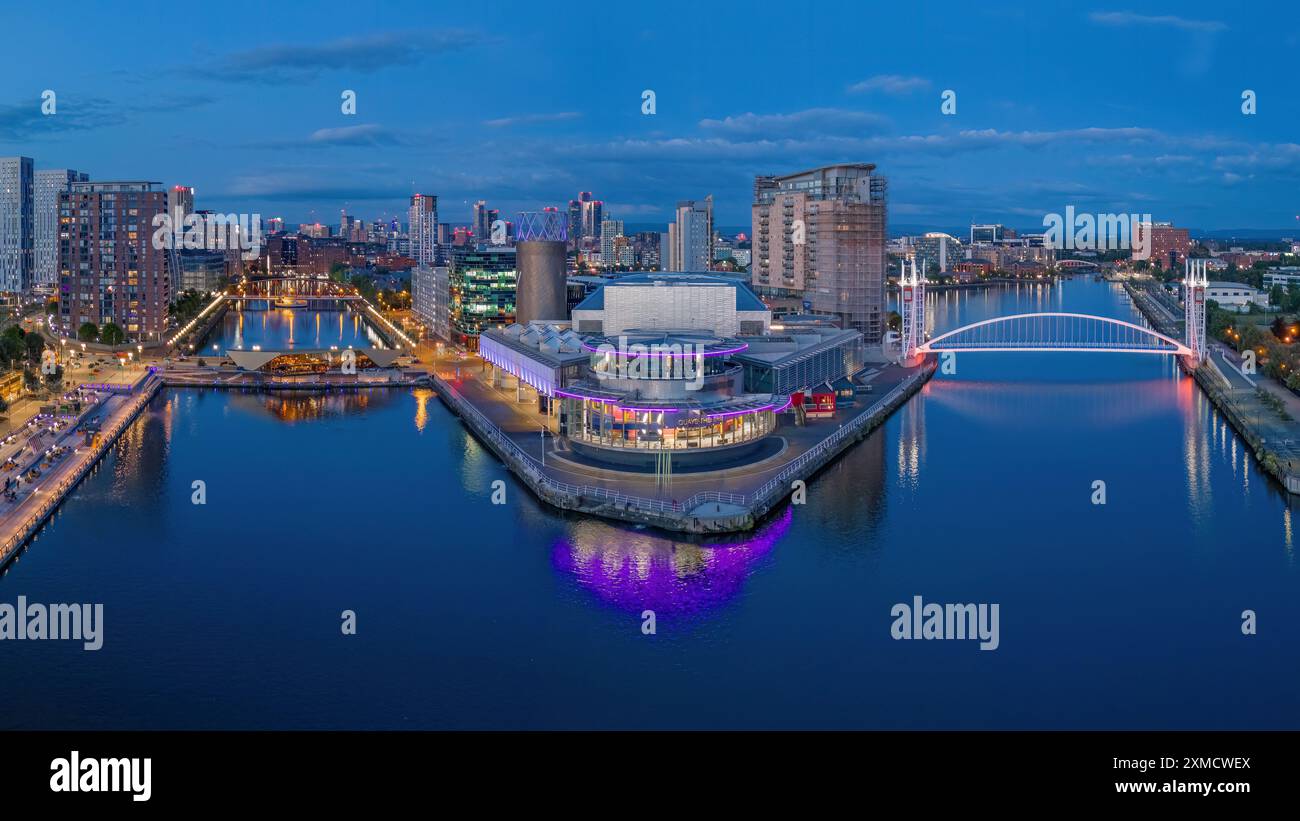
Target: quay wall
(1216, 387)
(52, 496)
(734, 512)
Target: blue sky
(1113, 107)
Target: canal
(1118, 615)
(285, 329)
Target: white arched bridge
(1055, 331)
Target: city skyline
(479, 106)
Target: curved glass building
(646, 392)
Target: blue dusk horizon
(1107, 108)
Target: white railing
(53, 497)
(776, 485)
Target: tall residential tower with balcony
(819, 238)
(109, 267)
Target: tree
(88, 332)
(112, 334)
(1277, 296)
(54, 379)
(35, 344)
(4, 406)
(12, 348)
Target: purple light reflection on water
(649, 571)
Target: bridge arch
(1055, 331)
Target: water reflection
(285, 328)
(638, 571)
(305, 406)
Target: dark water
(283, 329)
(474, 615)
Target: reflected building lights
(637, 571)
(422, 397)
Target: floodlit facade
(678, 393)
(693, 301)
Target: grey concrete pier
(691, 503)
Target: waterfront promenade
(727, 500)
(1265, 413)
(114, 407)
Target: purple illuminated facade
(651, 394)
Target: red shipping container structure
(823, 402)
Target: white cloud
(890, 84)
(824, 120)
(1128, 18)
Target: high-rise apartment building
(610, 229)
(424, 229)
(430, 297)
(690, 237)
(48, 184)
(17, 230)
(109, 269)
(819, 236)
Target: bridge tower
(911, 305)
(1195, 280)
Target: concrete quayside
(751, 490)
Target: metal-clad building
(540, 251)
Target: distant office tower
(989, 233)
(275, 225)
(109, 269)
(575, 219)
(938, 251)
(200, 269)
(819, 236)
(541, 250)
(48, 184)
(690, 238)
(17, 232)
(424, 229)
(593, 212)
(181, 197)
(482, 224)
(609, 230)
